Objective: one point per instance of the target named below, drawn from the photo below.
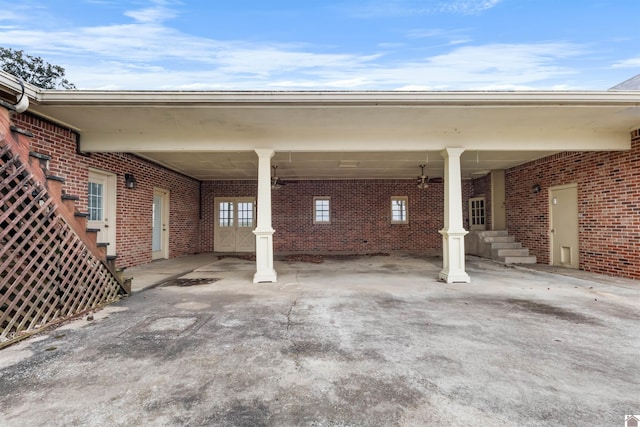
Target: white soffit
(212, 135)
(329, 165)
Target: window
(225, 210)
(399, 210)
(245, 214)
(321, 210)
(95, 203)
(477, 213)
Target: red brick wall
(360, 215)
(608, 206)
(133, 207)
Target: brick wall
(360, 215)
(608, 206)
(133, 207)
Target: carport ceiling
(336, 165)
(349, 135)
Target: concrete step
(499, 239)
(492, 233)
(506, 245)
(531, 259)
(497, 253)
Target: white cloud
(155, 14)
(467, 7)
(627, 63)
(381, 8)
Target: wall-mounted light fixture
(536, 188)
(130, 181)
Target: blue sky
(331, 44)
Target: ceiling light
(423, 180)
(275, 181)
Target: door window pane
(156, 213)
(477, 214)
(96, 201)
(225, 214)
(245, 214)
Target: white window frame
(405, 203)
(477, 213)
(316, 211)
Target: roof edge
(372, 98)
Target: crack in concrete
(295, 302)
(296, 351)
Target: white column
(453, 232)
(264, 232)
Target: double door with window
(234, 224)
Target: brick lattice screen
(46, 272)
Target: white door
(498, 201)
(101, 205)
(234, 224)
(564, 226)
(160, 223)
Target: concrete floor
(361, 341)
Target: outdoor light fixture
(275, 182)
(536, 188)
(423, 181)
(130, 181)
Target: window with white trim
(477, 220)
(321, 210)
(399, 210)
(96, 201)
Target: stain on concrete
(192, 305)
(388, 302)
(240, 414)
(183, 283)
(168, 327)
(316, 350)
(551, 310)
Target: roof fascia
(338, 98)
(10, 84)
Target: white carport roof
(316, 135)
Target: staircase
(51, 265)
(499, 246)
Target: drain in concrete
(190, 282)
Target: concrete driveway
(361, 341)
